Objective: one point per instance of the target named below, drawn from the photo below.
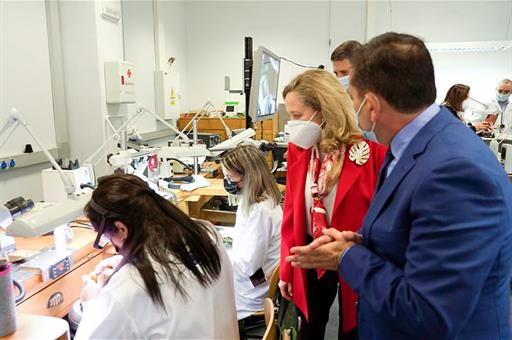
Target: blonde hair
(259, 184)
(321, 91)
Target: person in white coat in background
(174, 280)
(498, 111)
(257, 231)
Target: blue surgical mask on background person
(344, 81)
(231, 186)
(502, 97)
(304, 133)
(367, 134)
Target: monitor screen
(265, 77)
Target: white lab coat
(256, 244)
(494, 107)
(124, 310)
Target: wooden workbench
(193, 202)
(65, 290)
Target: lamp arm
(479, 102)
(8, 125)
(11, 120)
(228, 130)
(142, 109)
(198, 115)
(89, 161)
(208, 103)
(116, 133)
(69, 188)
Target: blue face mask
(231, 186)
(367, 134)
(502, 97)
(344, 81)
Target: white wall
(301, 30)
(453, 21)
(139, 49)
(88, 40)
(347, 22)
(174, 24)
(441, 21)
(215, 36)
(81, 76)
(25, 73)
(109, 37)
(480, 70)
(24, 182)
(25, 84)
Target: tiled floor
(331, 331)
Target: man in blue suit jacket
(435, 255)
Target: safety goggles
(104, 214)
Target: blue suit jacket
(437, 253)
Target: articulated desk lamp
(45, 218)
(121, 160)
(194, 121)
(90, 163)
(199, 114)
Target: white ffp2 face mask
(465, 105)
(304, 133)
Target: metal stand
(248, 79)
(196, 162)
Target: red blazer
(354, 193)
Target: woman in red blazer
(332, 174)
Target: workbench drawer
(218, 216)
(63, 292)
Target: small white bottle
(494, 146)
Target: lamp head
(46, 217)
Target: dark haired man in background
(340, 58)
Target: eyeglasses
(99, 233)
(104, 214)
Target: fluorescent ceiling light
(469, 46)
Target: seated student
(174, 280)
(257, 231)
(456, 101)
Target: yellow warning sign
(173, 98)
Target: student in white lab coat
(174, 280)
(257, 231)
